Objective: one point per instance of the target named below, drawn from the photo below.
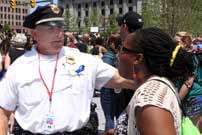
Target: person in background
(70, 40)
(128, 23)
(158, 62)
(18, 48)
(4, 50)
(50, 88)
(190, 88)
(99, 47)
(108, 96)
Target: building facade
(14, 18)
(81, 8)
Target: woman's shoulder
(156, 91)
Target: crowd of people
(47, 83)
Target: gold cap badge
(55, 8)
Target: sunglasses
(127, 50)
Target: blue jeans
(108, 98)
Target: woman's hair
(116, 40)
(186, 39)
(29, 43)
(157, 48)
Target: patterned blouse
(156, 93)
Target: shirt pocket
(31, 92)
(68, 81)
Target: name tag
(48, 123)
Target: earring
(134, 75)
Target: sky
(41, 4)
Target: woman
(190, 90)
(108, 96)
(158, 63)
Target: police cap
(50, 15)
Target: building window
(67, 5)
(94, 4)
(111, 2)
(86, 12)
(102, 3)
(103, 12)
(120, 2)
(86, 5)
(120, 10)
(79, 13)
(130, 1)
(130, 8)
(111, 11)
(79, 24)
(79, 6)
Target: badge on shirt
(70, 60)
(48, 122)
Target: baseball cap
(132, 19)
(50, 15)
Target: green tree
(70, 20)
(112, 26)
(6, 28)
(95, 19)
(173, 15)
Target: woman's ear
(138, 59)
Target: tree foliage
(173, 15)
(112, 26)
(70, 20)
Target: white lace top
(154, 92)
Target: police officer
(50, 88)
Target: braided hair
(157, 48)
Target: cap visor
(53, 23)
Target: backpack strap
(175, 92)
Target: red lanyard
(50, 92)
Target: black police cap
(50, 15)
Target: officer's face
(50, 39)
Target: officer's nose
(60, 32)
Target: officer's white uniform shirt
(23, 90)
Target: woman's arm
(152, 120)
(7, 61)
(186, 86)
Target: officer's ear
(33, 33)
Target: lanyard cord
(50, 92)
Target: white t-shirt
(158, 94)
(23, 90)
